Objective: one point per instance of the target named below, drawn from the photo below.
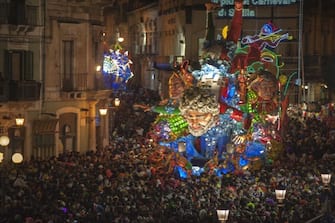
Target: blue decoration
(243, 162)
(197, 171)
(255, 150)
(221, 144)
(181, 172)
(225, 170)
(116, 69)
(231, 91)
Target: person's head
(200, 108)
(265, 85)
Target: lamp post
(107, 118)
(280, 196)
(326, 179)
(4, 142)
(103, 114)
(222, 215)
(117, 103)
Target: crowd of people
(125, 182)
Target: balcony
(75, 82)
(19, 90)
(28, 16)
(77, 86)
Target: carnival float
(227, 116)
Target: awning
(45, 126)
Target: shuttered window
(19, 65)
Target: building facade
(49, 53)
(319, 50)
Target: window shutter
(28, 66)
(8, 65)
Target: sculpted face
(265, 86)
(200, 108)
(266, 89)
(198, 122)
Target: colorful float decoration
(169, 124)
(250, 96)
(116, 69)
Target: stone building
(49, 53)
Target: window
(4, 7)
(17, 12)
(19, 65)
(32, 15)
(68, 58)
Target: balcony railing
(78, 82)
(19, 90)
(75, 82)
(29, 17)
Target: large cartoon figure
(169, 124)
(231, 107)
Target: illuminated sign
(229, 12)
(257, 2)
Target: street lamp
(280, 195)
(222, 215)
(326, 177)
(17, 158)
(113, 109)
(117, 102)
(4, 142)
(19, 120)
(103, 111)
(103, 114)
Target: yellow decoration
(225, 32)
(282, 79)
